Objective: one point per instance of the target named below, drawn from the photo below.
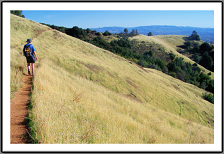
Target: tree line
(18, 13)
(202, 54)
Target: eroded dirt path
(19, 111)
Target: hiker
(29, 53)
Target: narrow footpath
(19, 111)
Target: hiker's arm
(35, 54)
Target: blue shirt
(31, 48)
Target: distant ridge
(206, 34)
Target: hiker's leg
(32, 68)
(28, 65)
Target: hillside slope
(84, 94)
(170, 43)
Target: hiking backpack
(27, 50)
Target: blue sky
(126, 18)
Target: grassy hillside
(84, 94)
(168, 44)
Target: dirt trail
(19, 111)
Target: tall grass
(17, 68)
(71, 109)
(20, 30)
(84, 94)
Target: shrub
(172, 74)
(106, 33)
(208, 97)
(172, 56)
(97, 33)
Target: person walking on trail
(30, 54)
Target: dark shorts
(30, 59)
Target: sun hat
(28, 40)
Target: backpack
(27, 51)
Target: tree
(206, 60)
(196, 57)
(62, 29)
(150, 34)
(195, 48)
(88, 30)
(196, 45)
(171, 66)
(195, 36)
(126, 30)
(151, 53)
(203, 85)
(208, 97)
(17, 12)
(76, 32)
(106, 33)
(205, 47)
(98, 33)
(172, 56)
(187, 44)
(165, 70)
(133, 31)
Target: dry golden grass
(84, 94)
(71, 109)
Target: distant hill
(206, 34)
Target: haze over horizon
(122, 18)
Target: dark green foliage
(124, 42)
(208, 97)
(165, 70)
(187, 44)
(207, 80)
(88, 30)
(190, 73)
(132, 33)
(98, 33)
(203, 54)
(126, 30)
(98, 41)
(18, 13)
(172, 56)
(106, 33)
(62, 29)
(149, 53)
(206, 60)
(150, 34)
(195, 46)
(171, 66)
(196, 58)
(195, 36)
(172, 74)
(205, 47)
(76, 32)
